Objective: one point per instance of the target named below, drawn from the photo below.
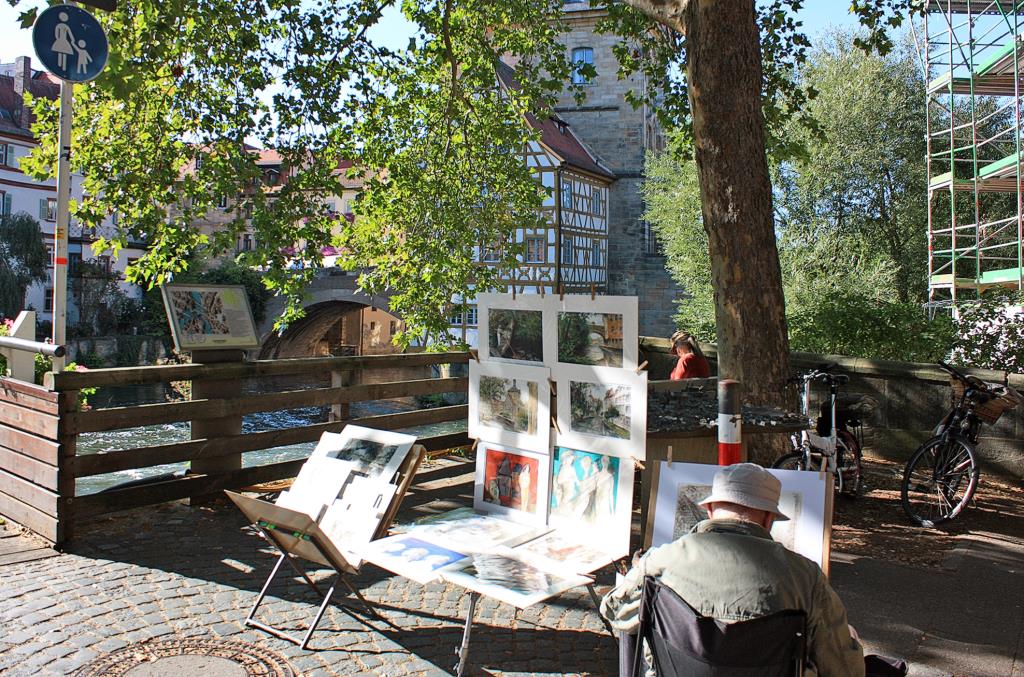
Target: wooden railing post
(67, 441)
(340, 379)
(215, 427)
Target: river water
(129, 438)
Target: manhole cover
(176, 657)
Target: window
(567, 250)
(105, 262)
(48, 299)
(596, 254)
(471, 318)
(651, 246)
(222, 202)
(581, 57)
(74, 263)
(199, 161)
(393, 328)
(373, 326)
(48, 209)
(566, 194)
(5, 203)
(536, 249)
(246, 242)
(598, 203)
(455, 318)
(490, 254)
(49, 255)
(5, 153)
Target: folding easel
(297, 536)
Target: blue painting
(413, 551)
(585, 486)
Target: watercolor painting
(375, 453)
(590, 338)
(411, 557)
(602, 409)
(505, 577)
(511, 329)
(592, 497)
(510, 404)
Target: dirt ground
(874, 525)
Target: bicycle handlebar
(969, 381)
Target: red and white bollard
(730, 419)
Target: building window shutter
(5, 152)
(44, 209)
(5, 207)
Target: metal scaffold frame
(973, 52)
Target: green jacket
(732, 571)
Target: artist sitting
(730, 569)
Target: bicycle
(832, 446)
(942, 475)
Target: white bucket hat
(749, 485)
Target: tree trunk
(723, 65)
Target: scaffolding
(974, 56)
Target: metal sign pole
(60, 234)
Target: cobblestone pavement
(175, 571)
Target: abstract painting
(602, 409)
(592, 497)
(509, 404)
(593, 331)
(512, 482)
(411, 557)
(374, 453)
(805, 495)
(511, 329)
(507, 578)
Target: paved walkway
(175, 571)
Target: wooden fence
(40, 427)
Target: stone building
(620, 136)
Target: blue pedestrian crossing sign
(70, 42)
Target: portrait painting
(600, 331)
(511, 329)
(602, 409)
(512, 482)
(679, 488)
(507, 578)
(509, 404)
(411, 557)
(592, 497)
(374, 453)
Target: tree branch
(671, 13)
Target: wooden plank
(29, 517)
(155, 414)
(27, 492)
(29, 420)
(76, 380)
(28, 395)
(28, 444)
(27, 556)
(84, 507)
(143, 457)
(28, 468)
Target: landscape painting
(511, 330)
(508, 404)
(598, 331)
(512, 482)
(374, 453)
(591, 497)
(507, 578)
(602, 409)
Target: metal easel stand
(288, 557)
(463, 651)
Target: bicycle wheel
(850, 467)
(939, 480)
(793, 461)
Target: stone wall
(912, 398)
(118, 351)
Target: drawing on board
(511, 330)
(599, 331)
(603, 410)
(375, 453)
(465, 530)
(411, 557)
(505, 577)
(591, 495)
(511, 481)
(590, 338)
(555, 551)
(688, 510)
(509, 404)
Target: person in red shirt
(692, 363)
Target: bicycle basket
(989, 411)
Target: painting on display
(511, 330)
(507, 578)
(209, 316)
(560, 551)
(509, 404)
(466, 530)
(602, 409)
(412, 557)
(592, 497)
(598, 332)
(374, 453)
(805, 499)
(512, 482)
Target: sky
(817, 16)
